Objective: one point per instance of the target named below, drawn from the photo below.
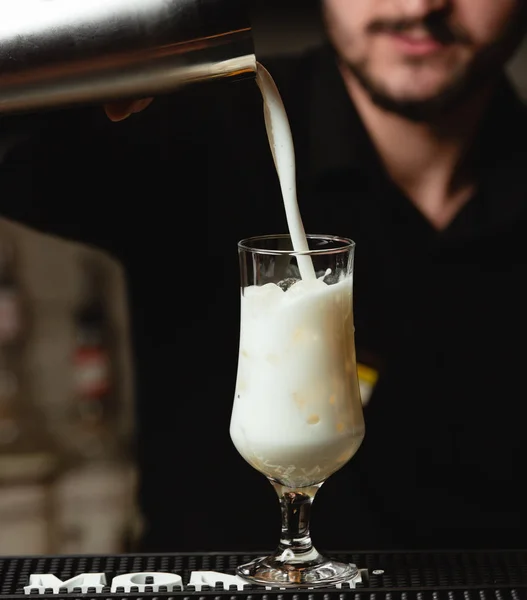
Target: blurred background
(71, 488)
(67, 472)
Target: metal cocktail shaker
(57, 53)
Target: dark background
(285, 26)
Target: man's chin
(424, 103)
(413, 92)
(420, 110)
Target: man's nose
(416, 9)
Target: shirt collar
(501, 159)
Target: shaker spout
(58, 53)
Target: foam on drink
(297, 414)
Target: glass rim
(250, 244)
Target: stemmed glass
(297, 413)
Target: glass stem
(295, 505)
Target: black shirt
(440, 315)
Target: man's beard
(463, 85)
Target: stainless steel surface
(65, 52)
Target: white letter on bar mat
(48, 581)
(211, 578)
(130, 580)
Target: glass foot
(283, 570)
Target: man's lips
(415, 44)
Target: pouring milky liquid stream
(297, 414)
(281, 142)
